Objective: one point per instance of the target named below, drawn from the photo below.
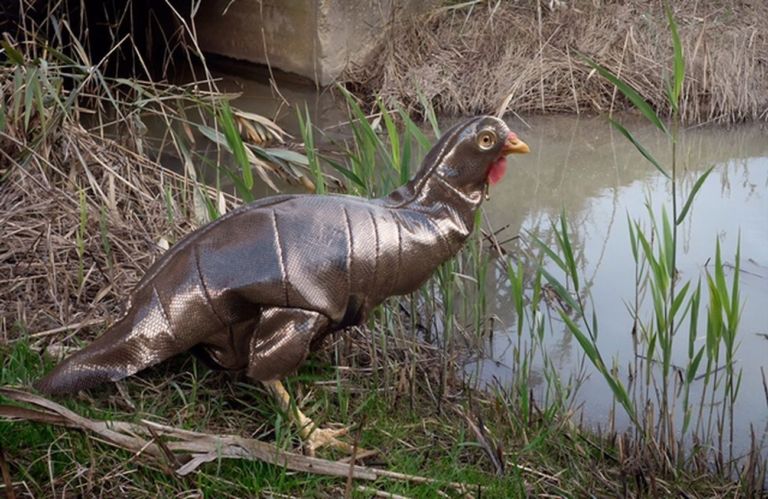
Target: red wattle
(497, 170)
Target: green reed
(384, 149)
(305, 126)
(44, 87)
(676, 304)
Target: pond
(584, 168)
(590, 171)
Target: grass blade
(630, 93)
(345, 171)
(646, 154)
(13, 55)
(560, 290)
(668, 244)
(413, 130)
(235, 143)
(592, 352)
(567, 249)
(29, 93)
(405, 160)
(394, 138)
(735, 314)
(679, 62)
(694, 190)
(287, 155)
(305, 126)
(429, 112)
(549, 252)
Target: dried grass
(191, 448)
(476, 58)
(131, 204)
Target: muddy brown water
(582, 166)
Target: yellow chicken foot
(314, 437)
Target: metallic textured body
(254, 289)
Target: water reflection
(598, 178)
(278, 95)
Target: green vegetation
(88, 213)
(659, 390)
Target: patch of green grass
(544, 453)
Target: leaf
(213, 212)
(429, 111)
(733, 317)
(693, 325)
(632, 237)
(360, 123)
(679, 300)
(550, 253)
(692, 194)
(213, 135)
(668, 241)
(54, 93)
(565, 245)
(591, 350)
(18, 82)
(39, 101)
(13, 55)
(714, 318)
(261, 166)
(28, 95)
(413, 130)
(235, 143)
(394, 138)
(630, 93)
(307, 135)
(693, 367)
(346, 172)
(646, 154)
(560, 290)
(679, 63)
(405, 160)
(721, 286)
(288, 155)
(270, 125)
(242, 190)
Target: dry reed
(478, 57)
(126, 206)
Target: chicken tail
(142, 338)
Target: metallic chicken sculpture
(258, 287)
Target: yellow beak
(514, 145)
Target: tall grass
(54, 75)
(679, 310)
(413, 347)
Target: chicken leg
(280, 343)
(314, 437)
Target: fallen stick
(192, 448)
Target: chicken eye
(486, 140)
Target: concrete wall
(314, 38)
